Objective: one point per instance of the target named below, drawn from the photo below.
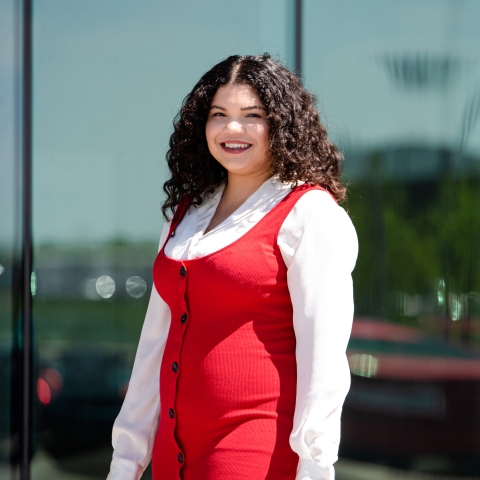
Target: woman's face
(237, 131)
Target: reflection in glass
(363, 365)
(108, 80)
(43, 391)
(399, 89)
(91, 289)
(422, 70)
(398, 86)
(105, 286)
(33, 283)
(136, 287)
(10, 229)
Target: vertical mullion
(26, 423)
(298, 37)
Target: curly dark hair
(298, 143)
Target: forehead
(241, 95)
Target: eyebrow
(253, 107)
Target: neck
(237, 190)
(239, 187)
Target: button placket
(183, 273)
(176, 360)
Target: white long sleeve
(320, 284)
(135, 427)
(319, 246)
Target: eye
(255, 115)
(218, 114)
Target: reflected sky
(394, 72)
(108, 80)
(8, 98)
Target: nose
(235, 126)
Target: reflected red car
(414, 400)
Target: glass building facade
(398, 86)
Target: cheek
(211, 135)
(262, 134)
(211, 132)
(208, 132)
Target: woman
(241, 370)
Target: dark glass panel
(10, 203)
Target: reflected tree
(419, 239)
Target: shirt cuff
(121, 469)
(309, 470)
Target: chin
(234, 166)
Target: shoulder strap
(275, 218)
(301, 189)
(180, 211)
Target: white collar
(269, 189)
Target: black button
(183, 318)
(180, 458)
(183, 271)
(171, 413)
(175, 366)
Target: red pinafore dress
(228, 373)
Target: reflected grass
(80, 320)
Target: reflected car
(5, 360)
(414, 401)
(80, 395)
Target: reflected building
(398, 85)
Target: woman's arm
(319, 245)
(135, 427)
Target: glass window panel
(10, 152)
(109, 77)
(398, 84)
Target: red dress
(228, 374)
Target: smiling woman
(252, 308)
(237, 137)
(298, 145)
(237, 124)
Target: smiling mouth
(233, 147)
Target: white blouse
(319, 246)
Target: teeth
(237, 145)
